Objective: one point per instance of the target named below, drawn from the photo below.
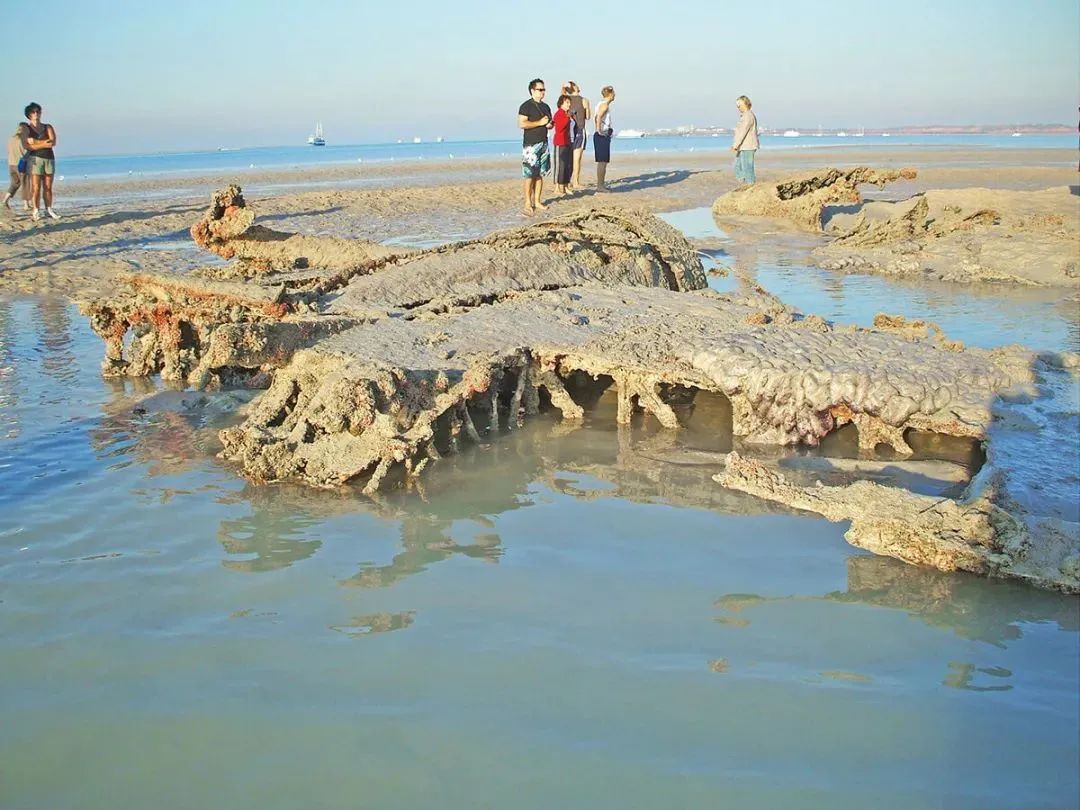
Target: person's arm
(588, 108)
(742, 129)
(40, 143)
(525, 123)
(24, 137)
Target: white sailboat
(792, 133)
(317, 139)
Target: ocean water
(558, 618)
(231, 160)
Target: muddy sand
(379, 359)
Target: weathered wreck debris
(966, 235)
(371, 398)
(611, 246)
(802, 198)
(191, 328)
(972, 534)
(228, 229)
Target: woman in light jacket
(745, 142)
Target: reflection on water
(962, 675)
(559, 591)
(969, 606)
(426, 542)
(274, 538)
(54, 319)
(361, 626)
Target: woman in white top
(602, 136)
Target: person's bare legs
(48, 178)
(601, 176)
(538, 193)
(576, 177)
(35, 194)
(13, 185)
(528, 209)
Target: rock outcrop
(964, 235)
(802, 198)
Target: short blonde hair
(608, 91)
(745, 100)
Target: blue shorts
(602, 148)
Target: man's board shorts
(579, 138)
(602, 147)
(535, 160)
(40, 165)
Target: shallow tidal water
(560, 618)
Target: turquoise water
(279, 157)
(552, 621)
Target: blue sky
(127, 76)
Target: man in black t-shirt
(534, 119)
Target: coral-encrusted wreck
(382, 361)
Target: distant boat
(861, 132)
(440, 140)
(885, 135)
(630, 133)
(416, 139)
(317, 139)
(792, 133)
(819, 132)
(841, 134)
(1017, 134)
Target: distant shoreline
(856, 132)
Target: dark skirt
(564, 164)
(602, 147)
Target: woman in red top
(563, 141)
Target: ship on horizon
(317, 139)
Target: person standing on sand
(581, 112)
(16, 158)
(602, 136)
(534, 119)
(38, 140)
(745, 142)
(562, 141)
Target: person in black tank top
(38, 140)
